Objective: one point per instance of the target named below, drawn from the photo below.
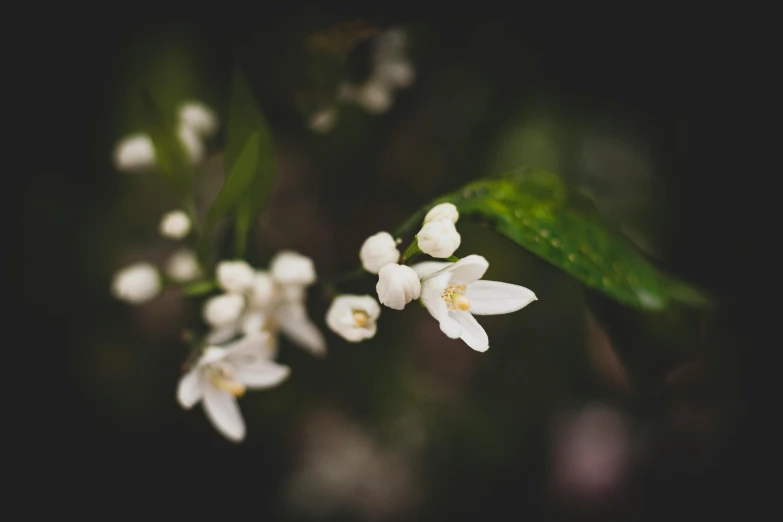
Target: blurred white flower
(262, 291)
(398, 73)
(175, 224)
(223, 374)
(292, 268)
(442, 211)
(324, 120)
(378, 251)
(374, 96)
(200, 118)
(235, 276)
(397, 286)
(136, 283)
(223, 310)
(191, 140)
(135, 154)
(439, 238)
(353, 317)
(182, 266)
(453, 293)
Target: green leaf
(537, 211)
(169, 151)
(199, 288)
(239, 179)
(248, 194)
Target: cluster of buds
(452, 290)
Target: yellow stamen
(223, 381)
(462, 302)
(360, 317)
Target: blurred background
(580, 410)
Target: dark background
(689, 84)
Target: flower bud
(235, 276)
(262, 292)
(175, 224)
(439, 238)
(182, 266)
(353, 317)
(135, 154)
(190, 139)
(442, 211)
(198, 117)
(136, 283)
(222, 310)
(378, 251)
(397, 286)
(291, 268)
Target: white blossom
(200, 118)
(223, 310)
(182, 266)
(442, 211)
(453, 293)
(439, 238)
(291, 268)
(175, 224)
(374, 96)
(353, 317)
(262, 291)
(136, 283)
(378, 251)
(397, 286)
(397, 73)
(192, 142)
(235, 276)
(135, 153)
(224, 373)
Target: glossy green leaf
(169, 151)
(245, 120)
(537, 211)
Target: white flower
(182, 266)
(191, 140)
(235, 276)
(374, 96)
(262, 291)
(135, 154)
(378, 251)
(453, 293)
(353, 317)
(175, 224)
(442, 211)
(397, 286)
(224, 309)
(324, 120)
(136, 283)
(223, 374)
(439, 238)
(291, 268)
(397, 73)
(198, 117)
(293, 321)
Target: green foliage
(249, 161)
(169, 151)
(533, 208)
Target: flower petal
(468, 269)
(190, 389)
(251, 349)
(263, 374)
(472, 332)
(493, 297)
(429, 267)
(294, 322)
(222, 410)
(222, 334)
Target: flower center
(221, 378)
(455, 298)
(360, 318)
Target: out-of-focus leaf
(239, 179)
(199, 288)
(245, 121)
(537, 211)
(169, 150)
